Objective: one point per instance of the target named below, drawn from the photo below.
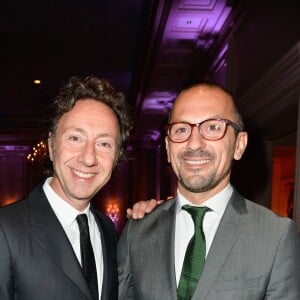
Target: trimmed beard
(200, 183)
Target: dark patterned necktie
(87, 255)
(194, 256)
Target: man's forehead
(203, 96)
(199, 103)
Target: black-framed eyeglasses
(211, 129)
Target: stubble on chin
(195, 180)
(196, 183)
(200, 183)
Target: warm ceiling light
(36, 81)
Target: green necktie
(194, 256)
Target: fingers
(150, 205)
(129, 213)
(141, 208)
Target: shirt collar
(217, 203)
(63, 210)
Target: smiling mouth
(197, 162)
(83, 175)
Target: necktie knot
(197, 213)
(83, 223)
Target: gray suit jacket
(37, 261)
(254, 255)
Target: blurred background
(151, 49)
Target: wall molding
(275, 90)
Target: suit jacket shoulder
(37, 260)
(254, 254)
(146, 256)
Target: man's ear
(50, 145)
(167, 148)
(240, 145)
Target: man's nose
(88, 154)
(196, 140)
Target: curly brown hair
(98, 89)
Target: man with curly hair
(41, 255)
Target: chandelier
(38, 153)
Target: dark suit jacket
(37, 261)
(254, 255)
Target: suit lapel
(166, 233)
(225, 238)
(109, 256)
(49, 234)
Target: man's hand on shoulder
(141, 208)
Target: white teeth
(197, 162)
(83, 175)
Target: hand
(141, 208)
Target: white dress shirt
(66, 215)
(184, 229)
